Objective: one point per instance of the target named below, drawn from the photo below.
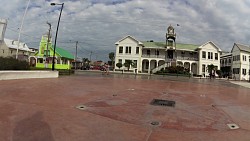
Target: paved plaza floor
(116, 107)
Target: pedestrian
(105, 69)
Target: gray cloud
(98, 24)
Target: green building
(44, 57)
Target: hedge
(13, 64)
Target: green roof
(179, 46)
(154, 44)
(186, 46)
(64, 53)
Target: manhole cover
(160, 102)
(233, 126)
(81, 107)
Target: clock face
(171, 31)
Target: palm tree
(210, 69)
(128, 63)
(112, 58)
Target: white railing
(153, 56)
(159, 68)
(188, 58)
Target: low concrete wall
(7, 75)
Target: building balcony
(170, 59)
(153, 56)
(188, 58)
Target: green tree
(119, 65)
(210, 69)
(112, 58)
(128, 63)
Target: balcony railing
(170, 59)
(188, 58)
(153, 56)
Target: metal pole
(76, 54)
(54, 51)
(48, 40)
(20, 29)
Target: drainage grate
(233, 126)
(160, 102)
(155, 123)
(81, 107)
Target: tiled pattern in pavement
(118, 108)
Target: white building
(8, 48)
(241, 62)
(226, 64)
(152, 56)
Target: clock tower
(170, 46)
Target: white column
(149, 67)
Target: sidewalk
(241, 83)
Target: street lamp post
(20, 29)
(53, 61)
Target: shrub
(13, 64)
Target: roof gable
(210, 42)
(14, 45)
(140, 43)
(241, 47)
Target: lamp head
(52, 4)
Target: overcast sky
(98, 24)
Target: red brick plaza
(118, 108)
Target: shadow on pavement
(32, 129)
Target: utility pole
(76, 54)
(90, 56)
(48, 40)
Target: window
(128, 50)
(11, 51)
(204, 54)
(135, 64)
(148, 52)
(147, 65)
(3, 50)
(244, 71)
(249, 58)
(157, 52)
(244, 58)
(229, 60)
(183, 54)
(209, 55)
(203, 68)
(120, 61)
(216, 56)
(46, 52)
(137, 50)
(238, 58)
(236, 70)
(120, 49)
